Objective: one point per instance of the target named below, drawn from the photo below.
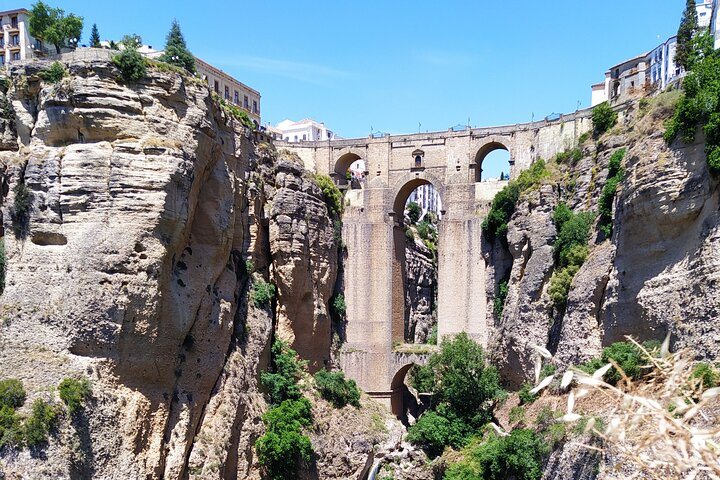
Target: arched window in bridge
(418, 158)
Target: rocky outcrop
(304, 259)
(152, 214)
(420, 291)
(654, 275)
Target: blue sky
(402, 66)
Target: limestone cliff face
(655, 274)
(421, 285)
(148, 206)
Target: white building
(652, 71)
(306, 130)
(428, 198)
(15, 40)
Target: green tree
(414, 212)
(684, 53)
(603, 118)
(465, 390)
(94, 37)
(52, 26)
(281, 383)
(176, 51)
(133, 41)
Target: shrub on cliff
(12, 393)
(414, 212)
(607, 197)
(499, 302)
(131, 65)
(699, 106)
(53, 74)
(503, 206)
(20, 210)
(518, 455)
(11, 431)
(629, 357)
(333, 195)
(603, 118)
(570, 250)
(39, 423)
(262, 292)
(283, 446)
(286, 369)
(74, 392)
(336, 389)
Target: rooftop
(17, 10)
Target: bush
(607, 197)
(603, 118)
(524, 394)
(499, 302)
(707, 375)
(287, 368)
(336, 389)
(516, 415)
(464, 389)
(574, 155)
(234, 111)
(74, 392)
(283, 446)
(338, 305)
(421, 378)
(40, 422)
(20, 212)
(560, 286)
(699, 107)
(414, 212)
(332, 194)
(11, 431)
(12, 393)
(573, 232)
(518, 455)
(262, 293)
(432, 337)
(503, 206)
(435, 430)
(629, 358)
(131, 65)
(53, 74)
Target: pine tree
(684, 54)
(176, 51)
(94, 36)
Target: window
(236, 99)
(304, 137)
(418, 161)
(15, 40)
(217, 87)
(287, 139)
(16, 56)
(329, 134)
(255, 110)
(13, 22)
(295, 135)
(2, 59)
(227, 92)
(246, 104)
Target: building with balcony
(15, 40)
(307, 130)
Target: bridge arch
(489, 145)
(404, 186)
(343, 161)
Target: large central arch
(402, 190)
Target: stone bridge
(452, 162)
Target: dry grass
(666, 425)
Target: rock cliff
(654, 275)
(152, 215)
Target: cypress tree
(684, 54)
(176, 51)
(94, 36)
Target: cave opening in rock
(418, 212)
